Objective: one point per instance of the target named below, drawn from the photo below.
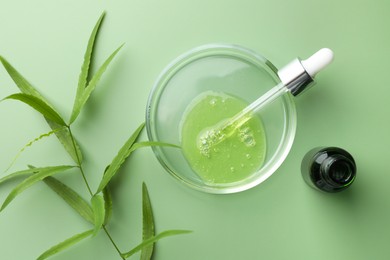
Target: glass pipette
(295, 77)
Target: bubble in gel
(208, 139)
(246, 130)
(246, 136)
(213, 102)
(249, 141)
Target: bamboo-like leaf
(149, 144)
(39, 105)
(85, 68)
(43, 173)
(107, 204)
(65, 244)
(71, 197)
(111, 171)
(154, 239)
(27, 88)
(69, 143)
(19, 174)
(82, 99)
(21, 82)
(98, 211)
(31, 143)
(118, 160)
(147, 224)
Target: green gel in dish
(232, 159)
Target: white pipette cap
(299, 74)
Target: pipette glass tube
(295, 77)
(217, 133)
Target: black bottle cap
(330, 169)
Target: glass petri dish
(230, 69)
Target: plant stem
(90, 190)
(112, 241)
(85, 180)
(79, 161)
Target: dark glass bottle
(329, 169)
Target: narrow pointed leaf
(39, 105)
(21, 82)
(65, 244)
(82, 99)
(70, 144)
(111, 171)
(31, 143)
(154, 239)
(147, 224)
(107, 204)
(119, 159)
(149, 144)
(43, 173)
(71, 197)
(19, 174)
(98, 211)
(85, 68)
(27, 88)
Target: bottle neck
(338, 170)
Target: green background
(282, 218)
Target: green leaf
(98, 211)
(119, 159)
(27, 88)
(85, 68)
(71, 197)
(125, 153)
(65, 244)
(107, 204)
(83, 97)
(39, 105)
(21, 82)
(19, 174)
(154, 239)
(69, 143)
(149, 144)
(43, 173)
(31, 143)
(147, 224)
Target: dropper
(295, 77)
